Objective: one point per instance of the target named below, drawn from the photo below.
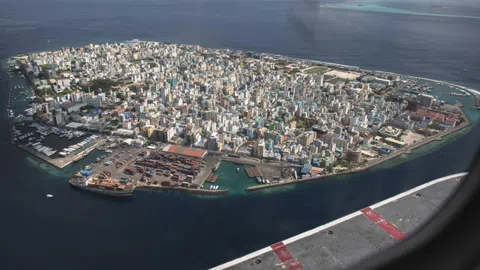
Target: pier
(61, 162)
(212, 178)
(157, 170)
(216, 166)
(253, 172)
(189, 190)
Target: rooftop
(186, 151)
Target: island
(167, 115)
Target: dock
(189, 190)
(212, 178)
(157, 170)
(216, 166)
(62, 162)
(253, 172)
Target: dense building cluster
(262, 105)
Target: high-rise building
(307, 138)
(60, 118)
(210, 115)
(163, 134)
(212, 144)
(260, 148)
(354, 156)
(425, 100)
(190, 137)
(170, 133)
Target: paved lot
(125, 156)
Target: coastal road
(406, 150)
(409, 148)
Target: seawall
(407, 150)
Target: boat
(80, 156)
(49, 196)
(238, 170)
(105, 187)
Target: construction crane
(107, 177)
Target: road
(406, 150)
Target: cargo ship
(106, 187)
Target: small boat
(465, 70)
(49, 196)
(238, 170)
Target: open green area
(306, 123)
(317, 69)
(103, 84)
(334, 79)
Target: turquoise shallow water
(228, 178)
(371, 7)
(78, 230)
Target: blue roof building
(306, 169)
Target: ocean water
(359, 6)
(172, 230)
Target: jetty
(189, 190)
(253, 172)
(60, 162)
(212, 178)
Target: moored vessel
(106, 187)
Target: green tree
(104, 84)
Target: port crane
(107, 177)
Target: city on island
(167, 115)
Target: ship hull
(103, 191)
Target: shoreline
(189, 190)
(60, 163)
(407, 150)
(338, 65)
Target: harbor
(58, 162)
(183, 168)
(39, 140)
(139, 168)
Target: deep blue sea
(163, 230)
